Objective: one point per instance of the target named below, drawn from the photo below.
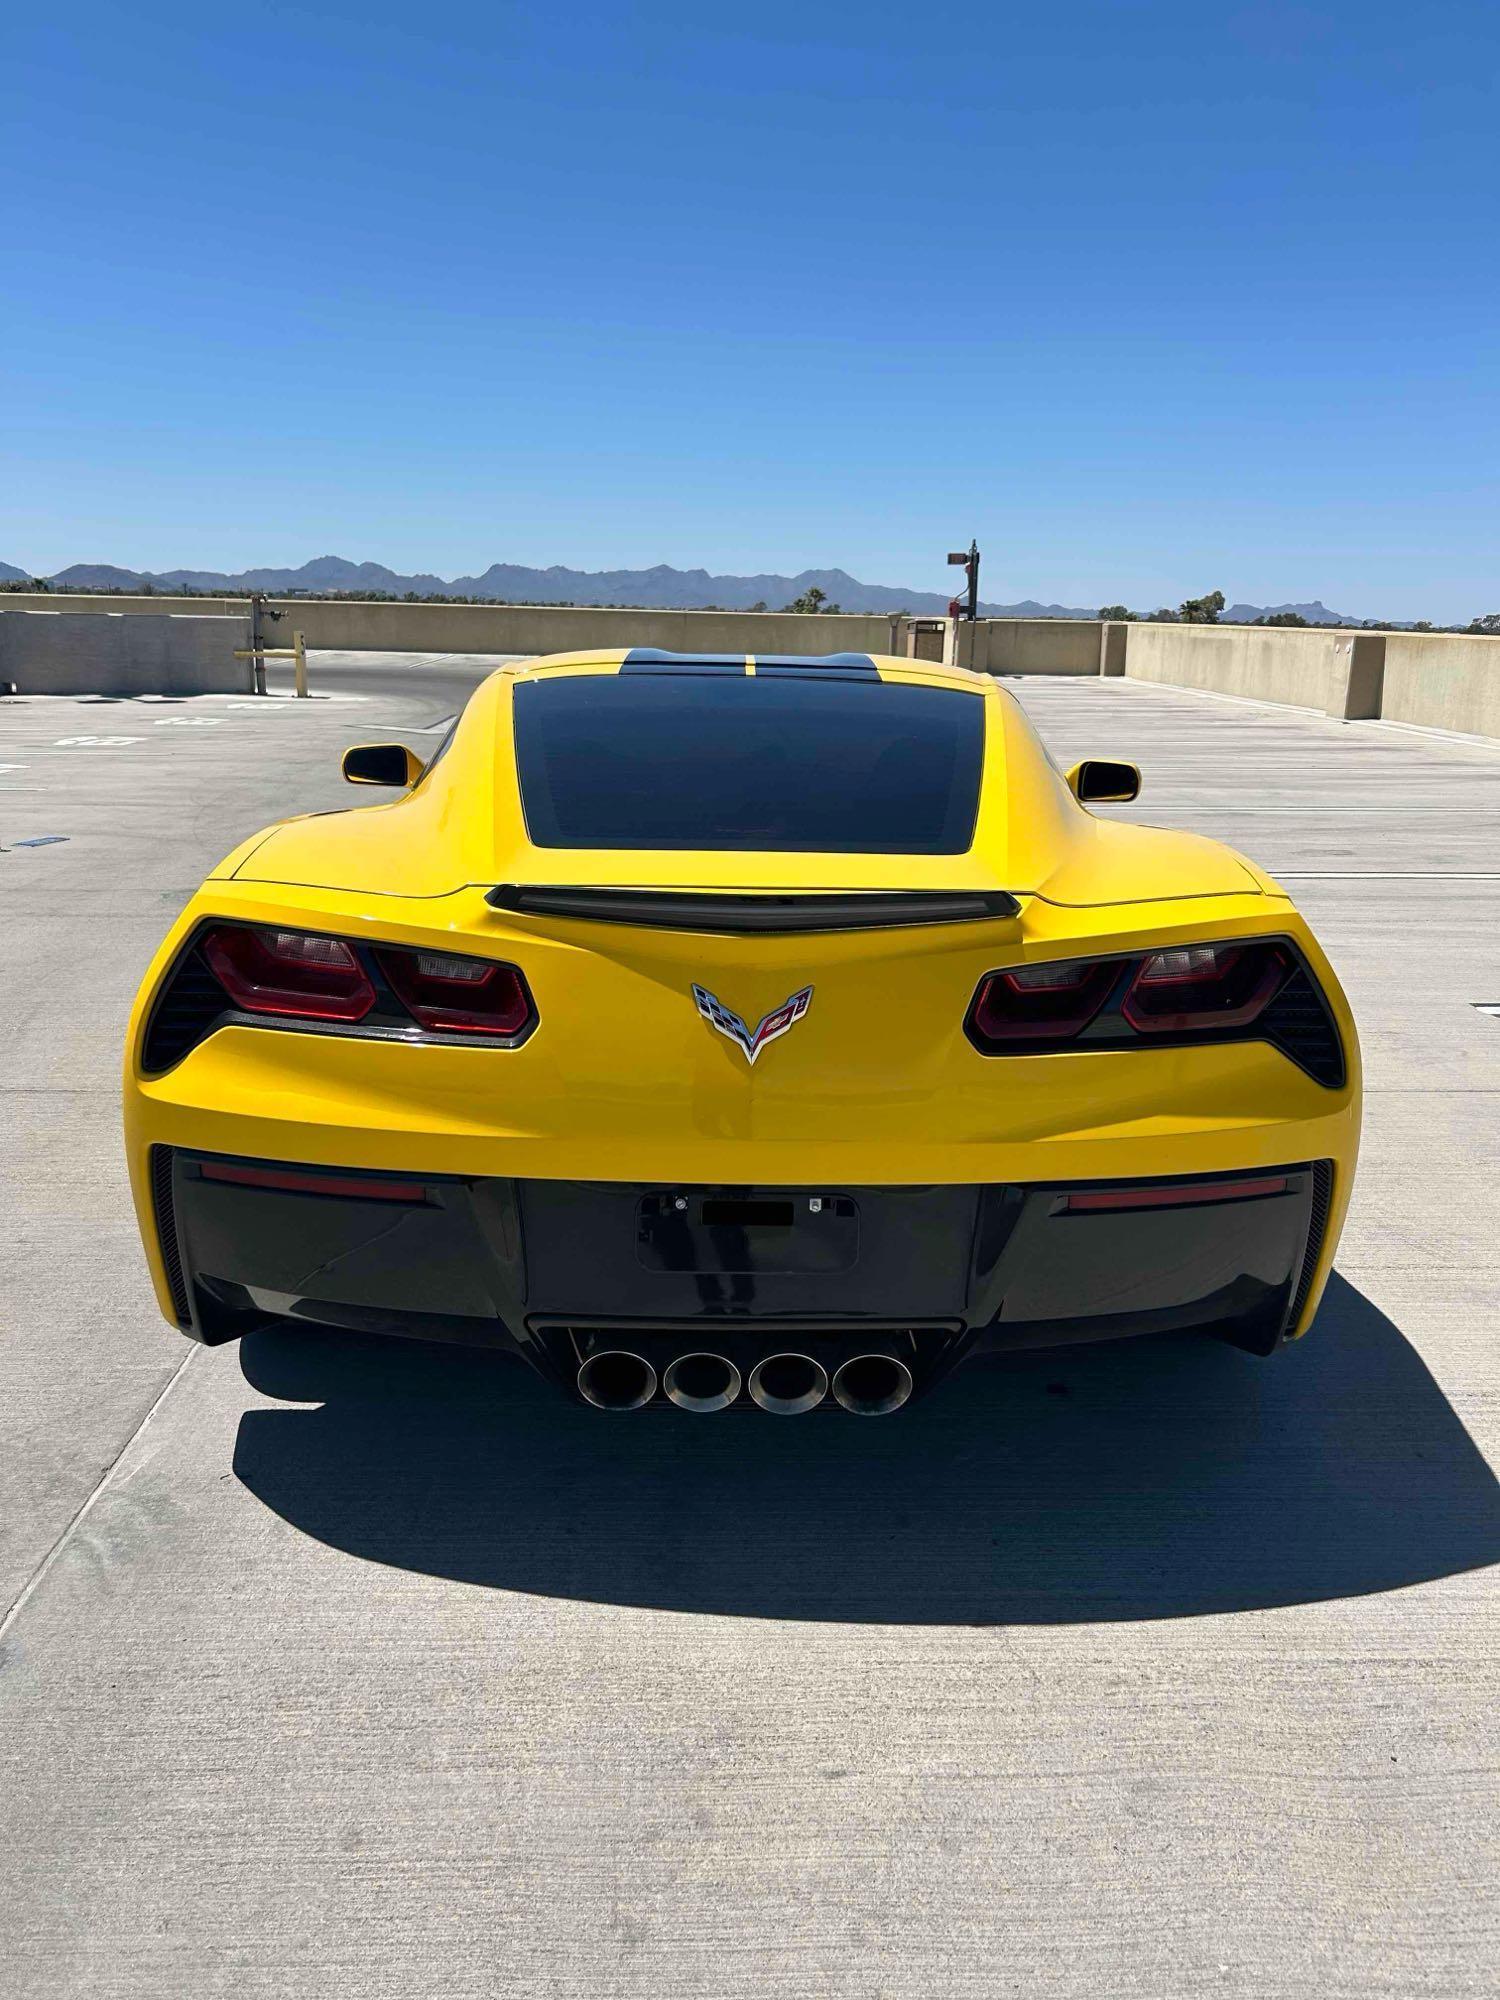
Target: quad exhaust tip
(616, 1379)
(788, 1384)
(872, 1385)
(868, 1385)
(701, 1382)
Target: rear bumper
(552, 1269)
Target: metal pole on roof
(257, 658)
(968, 561)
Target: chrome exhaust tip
(701, 1382)
(615, 1379)
(872, 1385)
(788, 1384)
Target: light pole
(968, 560)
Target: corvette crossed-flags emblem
(750, 1041)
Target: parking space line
(1383, 875)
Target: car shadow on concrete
(1153, 1479)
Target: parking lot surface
(339, 1668)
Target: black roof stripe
(652, 660)
(812, 660)
(838, 666)
(841, 666)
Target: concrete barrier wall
(506, 628)
(1439, 680)
(1029, 645)
(997, 645)
(1443, 681)
(109, 600)
(1257, 662)
(355, 625)
(80, 652)
(520, 628)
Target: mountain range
(1316, 613)
(661, 588)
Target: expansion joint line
(39, 1574)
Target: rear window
(783, 763)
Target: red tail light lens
(1041, 1003)
(293, 1180)
(290, 973)
(458, 996)
(1202, 986)
(1180, 1195)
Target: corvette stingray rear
(780, 1032)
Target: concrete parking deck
(355, 1670)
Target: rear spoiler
(736, 914)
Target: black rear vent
(1300, 1025)
(1317, 1229)
(166, 1229)
(186, 1008)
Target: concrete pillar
(1366, 677)
(1357, 677)
(1113, 639)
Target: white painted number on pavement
(95, 742)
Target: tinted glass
(785, 763)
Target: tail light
(1199, 986)
(289, 972)
(458, 996)
(385, 991)
(1257, 988)
(1042, 1002)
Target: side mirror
(383, 764)
(1097, 780)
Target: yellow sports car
(724, 1030)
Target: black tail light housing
(1227, 990)
(269, 976)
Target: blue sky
(1153, 299)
